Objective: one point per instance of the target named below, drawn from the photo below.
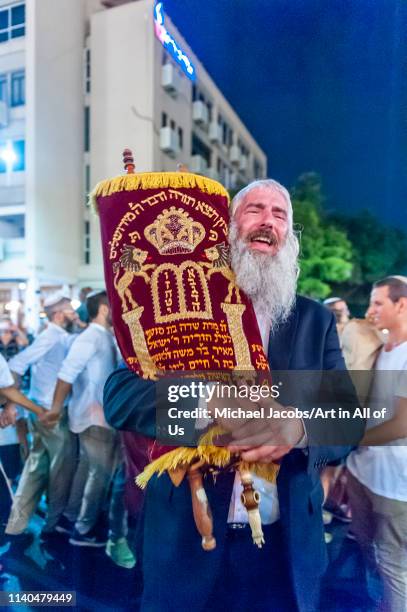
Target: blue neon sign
(170, 44)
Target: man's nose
(267, 219)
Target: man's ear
(402, 305)
(104, 310)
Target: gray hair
(268, 184)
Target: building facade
(79, 82)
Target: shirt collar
(98, 326)
(58, 327)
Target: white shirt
(91, 359)
(45, 356)
(269, 506)
(8, 435)
(383, 469)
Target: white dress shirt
(269, 506)
(8, 435)
(383, 469)
(45, 356)
(91, 359)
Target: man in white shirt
(91, 359)
(9, 445)
(51, 462)
(378, 469)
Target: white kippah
(54, 299)
(399, 277)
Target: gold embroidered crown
(174, 232)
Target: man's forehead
(379, 292)
(265, 195)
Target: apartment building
(79, 81)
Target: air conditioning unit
(3, 114)
(200, 113)
(199, 164)
(169, 141)
(215, 132)
(234, 154)
(243, 163)
(212, 173)
(170, 79)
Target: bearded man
(297, 334)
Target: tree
(326, 252)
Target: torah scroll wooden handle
(200, 507)
(128, 161)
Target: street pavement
(101, 586)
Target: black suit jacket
(177, 573)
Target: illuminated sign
(170, 44)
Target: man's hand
(262, 439)
(22, 433)
(50, 418)
(8, 415)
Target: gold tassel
(156, 180)
(217, 456)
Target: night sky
(321, 84)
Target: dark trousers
(253, 579)
(11, 461)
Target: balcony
(169, 141)
(170, 80)
(200, 113)
(199, 164)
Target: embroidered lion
(218, 256)
(132, 261)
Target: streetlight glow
(8, 155)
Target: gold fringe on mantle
(156, 180)
(216, 456)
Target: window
(87, 129)
(18, 148)
(199, 148)
(18, 88)
(87, 184)
(86, 251)
(257, 169)
(180, 138)
(87, 71)
(12, 22)
(172, 124)
(4, 88)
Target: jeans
(380, 526)
(99, 448)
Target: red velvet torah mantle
(175, 304)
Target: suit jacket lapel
(281, 343)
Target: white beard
(269, 280)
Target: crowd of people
(82, 464)
(75, 457)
